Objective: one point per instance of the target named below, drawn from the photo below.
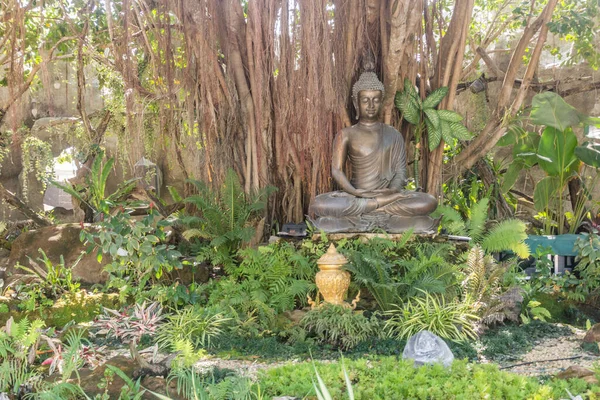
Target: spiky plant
(507, 235)
(428, 270)
(450, 320)
(372, 269)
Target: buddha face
(369, 105)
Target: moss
(77, 307)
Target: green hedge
(390, 378)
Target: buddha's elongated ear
(356, 108)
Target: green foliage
(322, 391)
(371, 268)
(450, 320)
(390, 378)
(506, 235)
(268, 281)
(18, 343)
(558, 154)
(483, 285)
(93, 194)
(193, 324)
(38, 159)
(340, 326)
(138, 250)
(47, 284)
(575, 21)
(588, 266)
(534, 311)
(392, 271)
(440, 124)
(226, 218)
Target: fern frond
(452, 221)
(477, 219)
(507, 235)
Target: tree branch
(14, 201)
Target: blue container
(562, 245)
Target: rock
(427, 348)
(90, 379)
(593, 335)
(576, 371)
(56, 240)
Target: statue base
(374, 222)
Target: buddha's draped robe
(384, 167)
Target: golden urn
(331, 280)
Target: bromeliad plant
(93, 194)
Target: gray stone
(427, 348)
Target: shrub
(270, 280)
(340, 326)
(453, 320)
(196, 325)
(390, 378)
(225, 218)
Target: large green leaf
(435, 97)
(459, 131)
(433, 118)
(446, 131)
(526, 149)
(557, 151)
(450, 116)
(545, 193)
(589, 153)
(409, 88)
(550, 109)
(434, 135)
(409, 107)
(511, 175)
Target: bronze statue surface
(374, 197)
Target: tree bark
(14, 201)
(496, 125)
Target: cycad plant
(483, 287)
(372, 269)
(507, 235)
(428, 271)
(225, 217)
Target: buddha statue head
(367, 96)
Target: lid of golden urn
(332, 257)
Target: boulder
(577, 371)
(593, 335)
(427, 348)
(56, 240)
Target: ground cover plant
(389, 377)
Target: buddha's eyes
(366, 100)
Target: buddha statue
(372, 195)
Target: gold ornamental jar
(332, 281)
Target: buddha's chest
(364, 144)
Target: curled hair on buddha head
(367, 81)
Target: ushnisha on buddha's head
(367, 96)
